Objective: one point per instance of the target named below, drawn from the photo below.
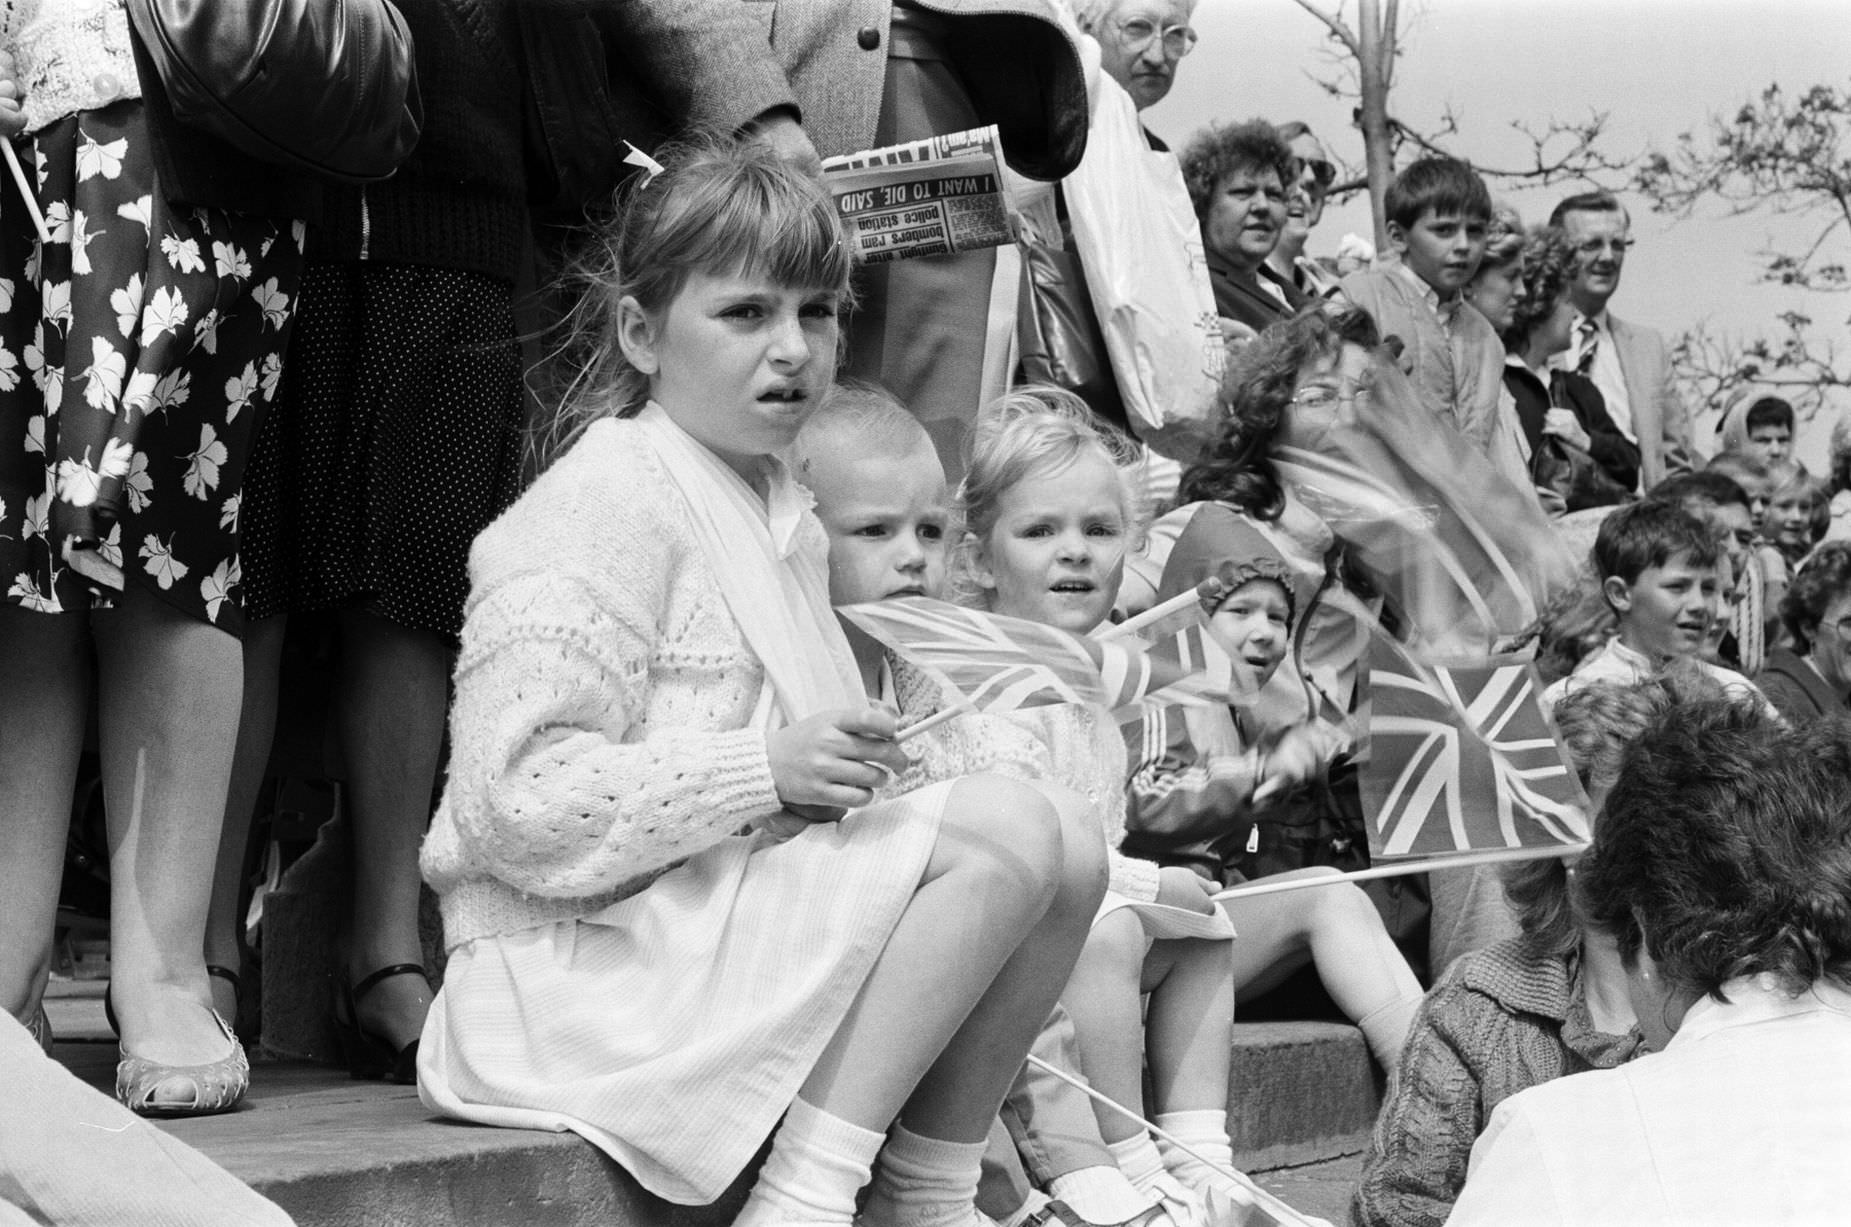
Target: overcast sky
(1659, 67)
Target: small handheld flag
(1461, 759)
(998, 663)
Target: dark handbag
(326, 86)
(1574, 475)
(1061, 341)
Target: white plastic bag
(1142, 250)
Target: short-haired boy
(1657, 565)
(1438, 213)
(882, 497)
(1737, 636)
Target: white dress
(636, 958)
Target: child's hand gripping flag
(1462, 759)
(998, 663)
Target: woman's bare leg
(168, 702)
(263, 658)
(390, 707)
(45, 659)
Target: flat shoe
(216, 1086)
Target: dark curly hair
(1219, 150)
(1725, 850)
(1261, 379)
(1821, 579)
(1548, 267)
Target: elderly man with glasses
(1140, 42)
(1629, 363)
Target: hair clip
(648, 165)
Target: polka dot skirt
(396, 441)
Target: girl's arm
(554, 788)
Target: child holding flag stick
(1200, 779)
(678, 919)
(1048, 515)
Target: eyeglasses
(1593, 247)
(1137, 34)
(1322, 172)
(1324, 394)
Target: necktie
(1587, 341)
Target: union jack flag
(1462, 759)
(999, 663)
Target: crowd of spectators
(248, 415)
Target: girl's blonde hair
(722, 206)
(1028, 431)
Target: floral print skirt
(138, 351)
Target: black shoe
(365, 1054)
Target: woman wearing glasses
(1813, 677)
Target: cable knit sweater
(601, 728)
(1500, 1020)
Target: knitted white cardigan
(601, 726)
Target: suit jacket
(1659, 420)
(1019, 65)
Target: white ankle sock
(1100, 1194)
(1205, 1131)
(1139, 1159)
(817, 1165)
(925, 1182)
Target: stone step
(340, 1153)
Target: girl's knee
(1344, 904)
(1000, 827)
(1116, 942)
(1083, 847)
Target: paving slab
(335, 1152)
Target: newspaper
(924, 198)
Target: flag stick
(932, 721)
(25, 191)
(1156, 613)
(1272, 886)
(1266, 1201)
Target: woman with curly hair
(1574, 447)
(1813, 677)
(1722, 871)
(1240, 177)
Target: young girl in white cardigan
(665, 933)
(1049, 514)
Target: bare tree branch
(1335, 24)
